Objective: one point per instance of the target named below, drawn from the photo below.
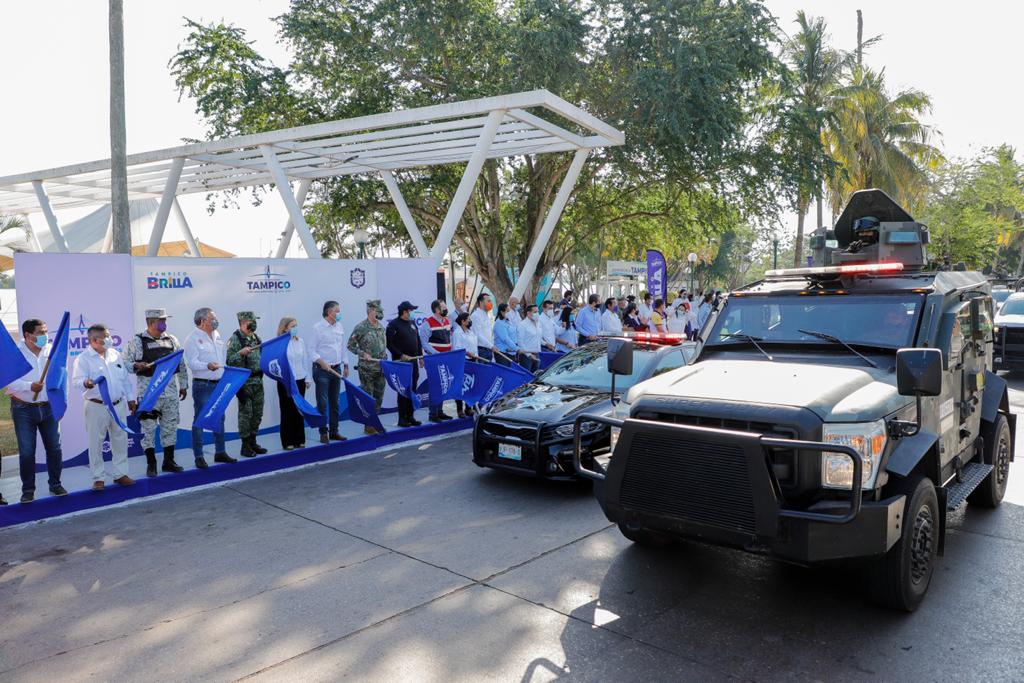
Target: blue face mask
(294, 332)
(42, 340)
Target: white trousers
(99, 423)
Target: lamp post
(361, 237)
(775, 250)
(692, 258)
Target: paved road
(413, 564)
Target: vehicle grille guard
(856, 492)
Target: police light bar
(850, 269)
(665, 338)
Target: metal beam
(170, 192)
(108, 238)
(186, 231)
(403, 211)
(289, 228)
(284, 189)
(550, 221)
(51, 219)
(466, 185)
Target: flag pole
(42, 378)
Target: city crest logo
(357, 276)
(268, 281)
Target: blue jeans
(27, 420)
(201, 391)
(328, 395)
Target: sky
(56, 100)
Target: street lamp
(692, 258)
(361, 237)
(775, 250)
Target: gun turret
(873, 228)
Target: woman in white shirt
(677, 318)
(293, 427)
(567, 337)
(463, 337)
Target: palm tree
(878, 140)
(815, 69)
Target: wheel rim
(1002, 463)
(921, 545)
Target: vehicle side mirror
(620, 356)
(919, 372)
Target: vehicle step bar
(972, 475)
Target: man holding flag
(141, 354)
(32, 413)
(435, 338)
(105, 410)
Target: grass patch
(8, 444)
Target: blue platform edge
(51, 506)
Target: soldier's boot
(247, 451)
(169, 464)
(150, 462)
(369, 430)
(256, 448)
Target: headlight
(615, 437)
(587, 427)
(867, 438)
(995, 329)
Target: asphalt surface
(413, 564)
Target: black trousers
(405, 407)
(293, 427)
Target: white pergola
(460, 132)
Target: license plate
(999, 359)
(510, 452)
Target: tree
(682, 79)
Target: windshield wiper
(750, 338)
(837, 340)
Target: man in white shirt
(328, 351)
(611, 323)
(205, 356)
(484, 326)
(102, 360)
(530, 339)
(31, 413)
(548, 333)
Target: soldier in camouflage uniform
(369, 344)
(141, 353)
(244, 352)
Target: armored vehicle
(834, 413)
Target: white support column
(51, 219)
(108, 238)
(170, 192)
(186, 231)
(403, 211)
(285, 190)
(465, 189)
(550, 221)
(289, 228)
(32, 233)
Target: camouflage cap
(247, 315)
(374, 303)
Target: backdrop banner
(115, 289)
(657, 274)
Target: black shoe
(150, 462)
(169, 464)
(28, 497)
(414, 423)
(2, 501)
(256, 448)
(58, 490)
(436, 418)
(445, 416)
(338, 437)
(247, 451)
(201, 463)
(223, 457)
(404, 423)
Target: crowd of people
(513, 333)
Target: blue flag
(422, 394)
(56, 382)
(210, 414)
(476, 379)
(362, 407)
(444, 375)
(398, 375)
(163, 372)
(101, 384)
(274, 363)
(12, 362)
(549, 357)
(492, 381)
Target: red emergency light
(849, 269)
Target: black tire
(998, 445)
(645, 537)
(899, 579)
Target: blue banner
(422, 394)
(56, 382)
(657, 274)
(229, 384)
(398, 375)
(491, 381)
(476, 379)
(362, 407)
(163, 372)
(12, 361)
(274, 363)
(101, 384)
(444, 375)
(549, 357)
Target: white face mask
(550, 313)
(534, 316)
(108, 343)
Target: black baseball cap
(406, 306)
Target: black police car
(530, 431)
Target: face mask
(534, 316)
(161, 326)
(379, 315)
(294, 332)
(42, 340)
(214, 324)
(252, 326)
(469, 326)
(444, 312)
(108, 343)
(549, 312)
(488, 306)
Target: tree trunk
(819, 209)
(860, 39)
(798, 246)
(122, 236)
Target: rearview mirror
(919, 372)
(620, 356)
